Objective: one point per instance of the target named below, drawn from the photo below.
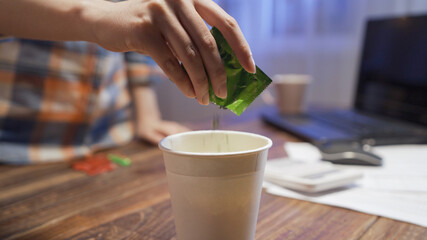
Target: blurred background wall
(317, 37)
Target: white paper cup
(290, 91)
(215, 181)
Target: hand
(171, 31)
(154, 131)
(149, 123)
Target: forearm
(55, 20)
(145, 102)
(149, 124)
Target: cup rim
(213, 154)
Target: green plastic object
(242, 87)
(122, 161)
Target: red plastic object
(94, 165)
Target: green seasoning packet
(242, 87)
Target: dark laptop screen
(393, 69)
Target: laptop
(390, 105)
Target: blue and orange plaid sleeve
(142, 70)
(61, 100)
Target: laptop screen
(393, 69)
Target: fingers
(205, 43)
(216, 16)
(188, 53)
(161, 130)
(153, 136)
(166, 60)
(168, 128)
(181, 35)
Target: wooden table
(54, 202)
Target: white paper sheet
(410, 207)
(404, 166)
(397, 190)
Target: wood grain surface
(52, 201)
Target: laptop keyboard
(362, 125)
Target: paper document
(404, 166)
(396, 190)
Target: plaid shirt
(60, 100)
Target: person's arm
(142, 73)
(149, 124)
(170, 31)
(50, 19)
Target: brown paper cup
(215, 180)
(290, 91)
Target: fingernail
(253, 64)
(191, 93)
(205, 99)
(223, 90)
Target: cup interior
(214, 143)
